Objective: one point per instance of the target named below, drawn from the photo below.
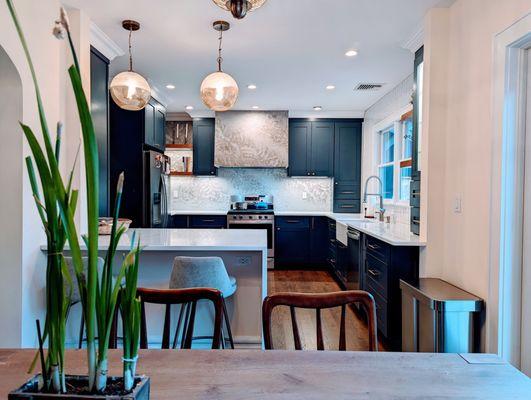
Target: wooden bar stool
(206, 272)
(319, 301)
(169, 297)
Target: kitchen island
(244, 254)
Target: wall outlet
(304, 195)
(175, 193)
(245, 260)
(458, 206)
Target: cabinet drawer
(179, 221)
(208, 221)
(378, 249)
(346, 206)
(347, 192)
(293, 222)
(376, 273)
(381, 309)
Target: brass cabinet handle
(416, 221)
(373, 246)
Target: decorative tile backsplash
(252, 139)
(213, 193)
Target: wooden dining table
(304, 375)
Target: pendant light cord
(220, 59)
(130, 54)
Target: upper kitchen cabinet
(145, 126)
(203, 143)
(99, 106)
(311, 148)
(347, 166)
(154, 123)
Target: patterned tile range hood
(251, 139)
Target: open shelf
(179, 146)
(179, 173)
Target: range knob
(260, 217)
(250, 217)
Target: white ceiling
(291, 49)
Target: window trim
(395, 119)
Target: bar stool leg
(227, 324)
(185, 326)
(178, 328)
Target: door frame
(507, 181)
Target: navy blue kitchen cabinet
(332, 246)
(292, 242)
(208, 221)
(318, 242)
(383, 267)
(311, 148)
(347, 167)
(179, 222)
(299, 137)
(154, 125)
(203, 143)
(130, 134)
(99, 106)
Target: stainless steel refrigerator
(155, 207)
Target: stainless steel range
(254, 212)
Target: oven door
(269, 226)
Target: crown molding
(415, 41)
(104, 43)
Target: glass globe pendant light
(239, 8)
(219, 91)
(130, 90)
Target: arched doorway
(11, 204)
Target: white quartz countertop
(394, 234)
(191, 239)
(198, 212)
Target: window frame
(395, 121)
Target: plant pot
(30, 390)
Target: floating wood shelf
(179, 146)
(179, 173)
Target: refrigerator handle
(164, 202)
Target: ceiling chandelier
(239, 8)
(219, 91)
(130, 90)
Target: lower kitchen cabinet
(383, 267)
(301, 242)
(198, 221)
(318, 242)
(179, 222)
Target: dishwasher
(354, 267)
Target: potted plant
(56, 206)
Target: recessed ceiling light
(189, 107)
(255, 107)
(351, 53)
(251, 87)
(170, 86)
(330, 87)
(318, 108)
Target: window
(387, 158)
(395, 149)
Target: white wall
(392, 103)
(458, 122)
(50, 64)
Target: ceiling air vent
(369, 86)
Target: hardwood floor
(316, 282)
